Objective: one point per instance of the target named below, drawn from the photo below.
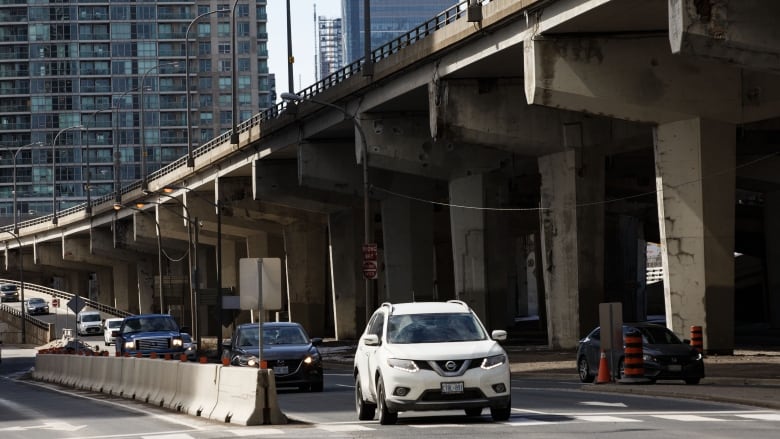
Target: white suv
(430, 356)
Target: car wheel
(474, 411)
(318, 387)
(501, 413)
(692, 381)
(584, 371)
(365, 410)
(386, 417)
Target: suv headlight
(404, 365)
(493, 362)
(177, 342)
(129, 345)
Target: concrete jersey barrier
(237, 395)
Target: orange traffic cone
(604, 375)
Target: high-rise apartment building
(330, 46)
(95, 91)
(389, 19)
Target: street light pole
(16, 223)
(54, 170)
(364, 162)
(142, 86)
(21, 281)
(234, 133)
(117, 105)
(190, 158)
(169, 190)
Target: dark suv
(148, 333)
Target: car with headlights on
(664, 355)
(190, 347)
(287, 350)
(9, 293)
(430, 356)
(36, 305)
(145, 334)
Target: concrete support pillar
(695, 162)
(122, 279)
(407, 226)
(305, 250)
(468, 242)
(347, 284)
(229, 262)
(572, 242)
(772, 248)
(149, 301)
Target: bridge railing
(443, 19)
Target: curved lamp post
(168, 190)
(16, 223)
(234, 132)
(142, 86)
(291, 97)
(190, 158)
(21, 280)
(54, 170)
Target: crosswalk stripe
(437, 426)
(762, 416)
(606, 419)
(344, 428)
(256, 432)
(526, 422)
(687, 418)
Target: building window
(224, 48)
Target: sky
(303, 41)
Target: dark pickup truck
(148, 333)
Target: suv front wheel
(501, 413)
(386, 417)
(365, 410)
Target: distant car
(9, 293)
(145, 334)
(109, 326)
(430, 356)
(36, 305)
(665, 356)
(189, 347)
(287, 350)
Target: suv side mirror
(498, 335)
(371, 340)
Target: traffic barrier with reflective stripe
(633, 363)
(697, 339)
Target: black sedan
(287, 350)
(9, 293)
(665, 356)
(36, 305)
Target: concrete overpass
(519, 159)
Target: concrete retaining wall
(237, 395)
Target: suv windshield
(90, 318)
(150, 324)
(433, 328)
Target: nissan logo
(450, 365)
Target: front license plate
(280, 370)
(452, 387)
(674, 368)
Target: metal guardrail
(67, 296)
(441, 20)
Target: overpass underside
(521, 163)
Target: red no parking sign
(369, 261)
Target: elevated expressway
(517, 159)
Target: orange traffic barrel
(697, 339)
(633, 363)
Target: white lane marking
(256, 432)
(343, 428)
(687, 418)
(603, 404)
(605, 419)
(762, 416)
(169, 436)
(526, 422)
(437, 426)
